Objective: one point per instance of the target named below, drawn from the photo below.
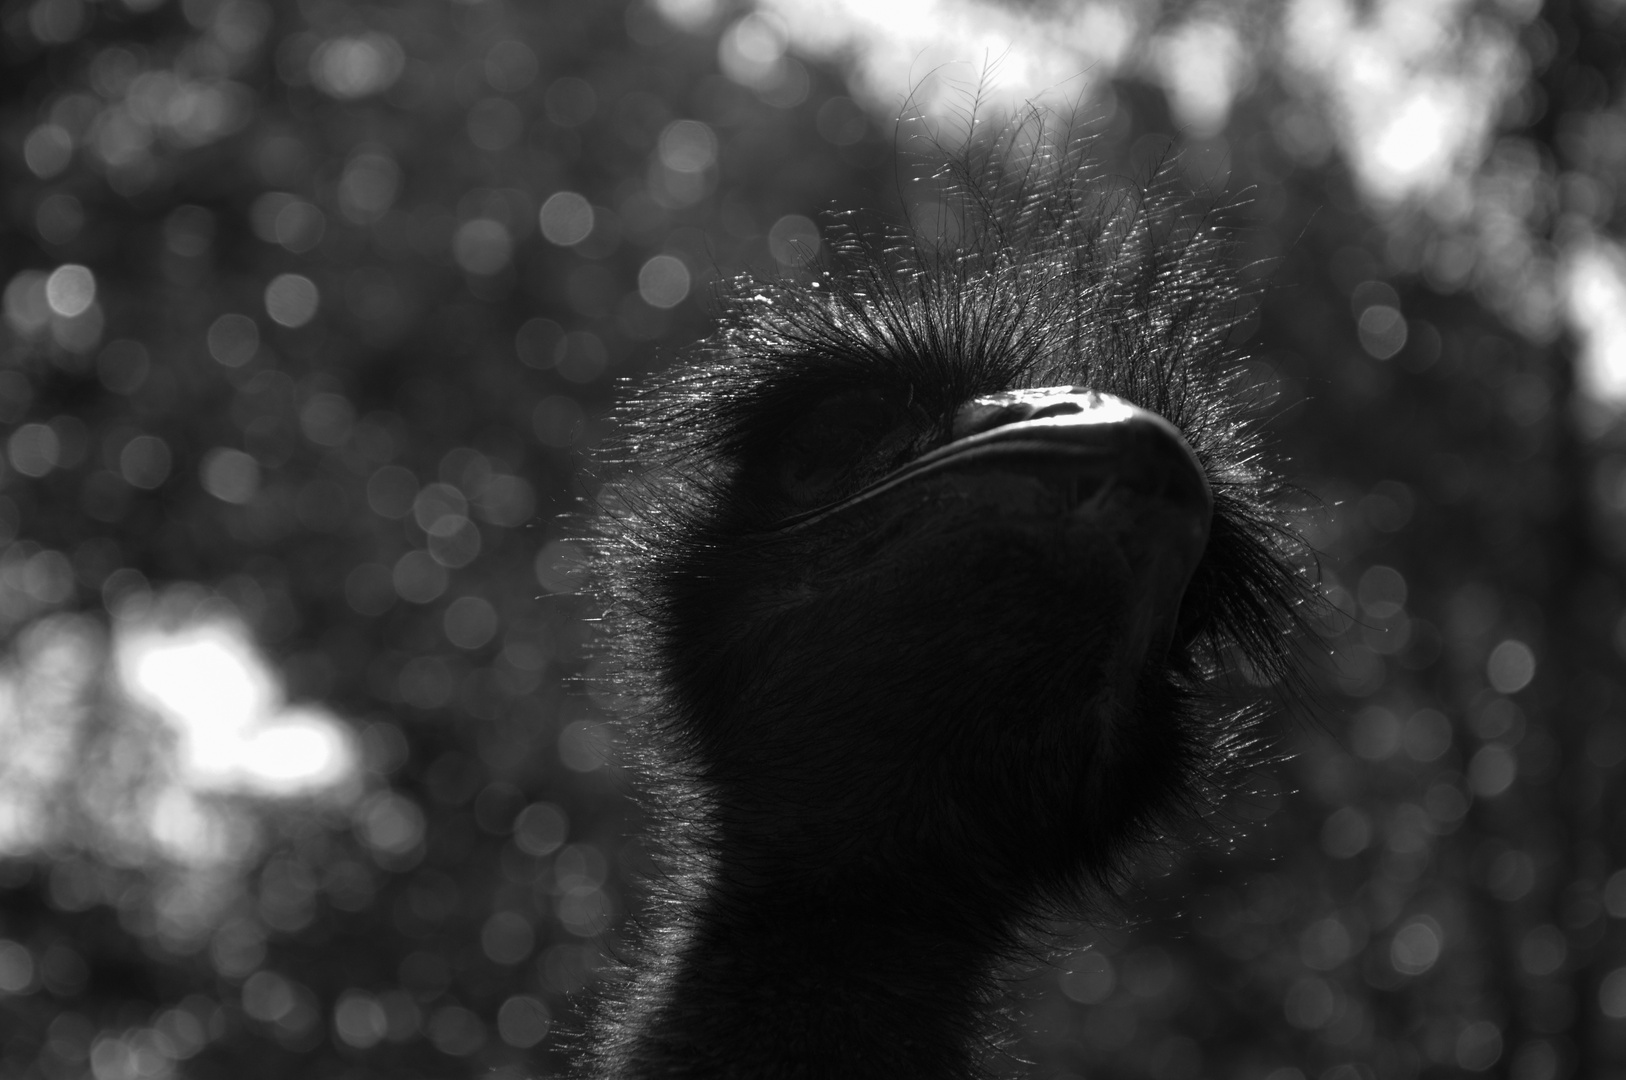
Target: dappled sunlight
(1411, 93)
(215, 689)
(312, 314)
(1411, 148)
(44, 689)
(1203, 65)
(1416, 92)
(1414, 87)
(936, 52)
(161, 746)
(1595, 289)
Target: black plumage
(917, 653)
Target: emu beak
(1103, 442)
(1089, 464)
(1122, 470)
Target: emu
(924, 573)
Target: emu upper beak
(1097, 442)
(1124, 470)
(1089, 463)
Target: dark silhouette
(929, 569)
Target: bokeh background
(313, 312)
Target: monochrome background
(313, 312)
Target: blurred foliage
(311, 312)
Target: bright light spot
(482, 246)
(216, 689)
(280, 218)
(566, 218)
(933, 52)
(353, 67)
(268, 997)
(523, 1021)
(1479, 1046)
(47, 150)
(33, 449)
(1594, 281)
(418, 577)
(367, 190)
(688, 146)
(233, 339)
(1416, 946)
(359, 1019)
(209, 682)
(145, 461)
(1411, 147)
(1511, 666)
(389, 823)
(136, 748)
(1382, 331)
(301, 750)
(185, 829)
(16, 967)
(1413, 95)
(291, 300)
(692, 15)
(70, 290)
(1203, 65)
(793, 240)
(46, 678)
(664, 281)
(541, 829)
(25, 305)
(470, 622)
(750, 51)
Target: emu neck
(876, 845)
(821, 978)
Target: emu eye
(828, 444)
